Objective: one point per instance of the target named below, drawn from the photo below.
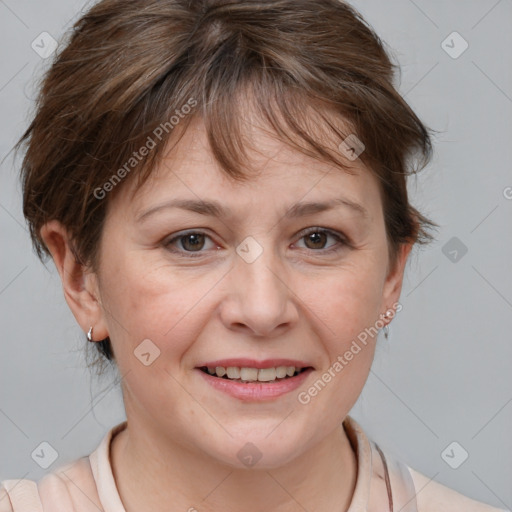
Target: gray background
(443, 376)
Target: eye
(315, 238)
(191, 242)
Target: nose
(259, 300)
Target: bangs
(308, 124)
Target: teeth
(281, 372)
(253, 374)
(249, 374)
(232, 372)
(267, 374)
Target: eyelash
(195, 254)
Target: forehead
(276, 171)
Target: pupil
(316, 238)
(196, 239)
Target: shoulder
(5, 502)
(70, 487)
(19, 495)
(384, 478)
(431, 496)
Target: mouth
(252, 375)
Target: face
(258, 280)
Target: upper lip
(253, 363)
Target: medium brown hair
(130, 66)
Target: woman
(222, 188)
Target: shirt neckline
(111, 501)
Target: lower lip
(256, 391)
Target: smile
(248, 384)
(247, 374)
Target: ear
(79, 284)
(393, 284)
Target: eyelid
(180, 234)
(340, 237)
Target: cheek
(343, 311)
(161, 305)
(346, 301)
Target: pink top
(383, 484)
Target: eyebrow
(216, 209)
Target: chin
(258, 452)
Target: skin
(295, 300)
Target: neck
(320, 480)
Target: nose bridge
(262, 299)
(262, 277)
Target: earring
(386, 327)
(89, 334)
